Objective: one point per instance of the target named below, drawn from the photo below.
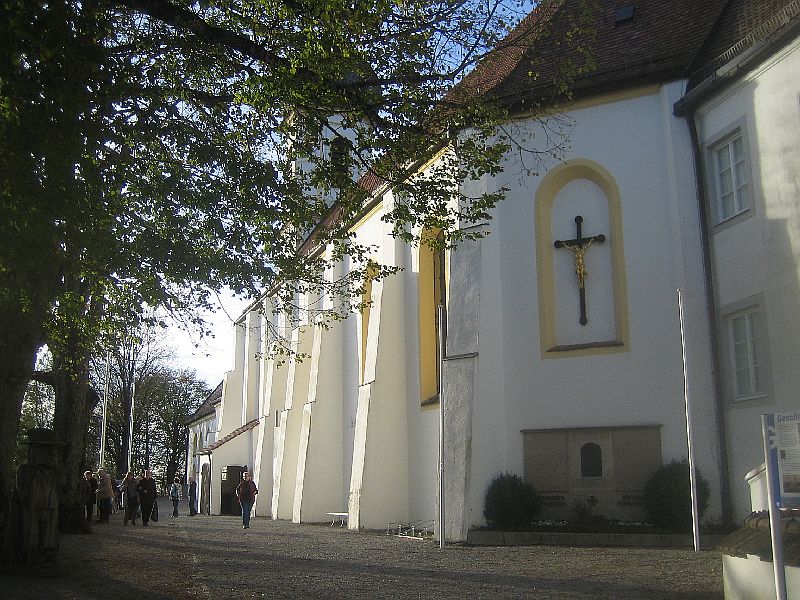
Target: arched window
(432, 293)
(366, 308)
(591, 460)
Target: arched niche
(431, 291)
(583, 189)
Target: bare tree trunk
(126, 365)
(20, 339)
(75, 401)
(147, 440)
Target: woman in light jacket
(130, 487)
(105, 492)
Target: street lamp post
(105, 410)
(130, 424)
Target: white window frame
(752, 350)
(739, 174)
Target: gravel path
(206, 558)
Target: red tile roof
(742, 25)
(206, 408)
(663, 41)
(508, 54)
(236, 432)
(658, 44)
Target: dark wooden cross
(578, 246)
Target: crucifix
(578, 247)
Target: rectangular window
(747, 343)
(731, 176)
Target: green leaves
(154, 146)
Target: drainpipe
(785, 28)
(711, 310)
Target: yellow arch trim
(427, 301)
(546, 193)
(366, 312)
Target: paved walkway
(212, 557)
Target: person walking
(105, 492)
(246, 493)
(130, 487)
(147, 496)
(89, 493)
(117, 502)
(192, 496)
(175, 495)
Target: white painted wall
(251, 368)
(643, 147)
(379, 474)
(647, 152)
(204, 431)
(753, 579)
(423, 422)
(761, 254)
(350, 383)
(319, 485)
(262, 470)
(231, 409)
(287, 436)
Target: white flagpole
(773, 495)
(130, 429)
(441, 316)
(105, 410)
(686, 401)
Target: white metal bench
(340, 517)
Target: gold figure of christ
(578, 247)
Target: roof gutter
(711, 319)
(686, 107)
(732, 70)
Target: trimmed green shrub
(668, 499)
(510, 502)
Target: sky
(214, 356)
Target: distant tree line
(142, 378)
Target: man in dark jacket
(192, 496)
(246, 494)
(89, 493)
(147, 496)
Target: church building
(563, 360)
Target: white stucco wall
(268, 379)
(760, 254)
(287, 435)
(386, 445)
(319, 485)
(237, 452)
(423, 422)
(251, 371)
(231, 407)
(645, 150)
(753, 579)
